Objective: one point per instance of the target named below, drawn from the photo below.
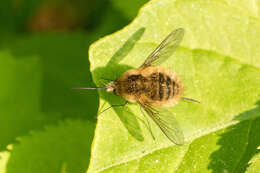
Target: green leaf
(3, 161)
(254, 164)
(219, 64)
(37, 74)
(227, 150)
(129, 8)
(64, 64)
(19, 97)
(61, 148)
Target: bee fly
(154, 87)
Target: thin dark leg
(189, 99)
(113, 106)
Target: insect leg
(147, 123)
(113, 106)
(189, 99)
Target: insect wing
(167, 123)
(165, 49)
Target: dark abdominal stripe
(161, 82)
(168, 87)
(154, 86)
(173, 87)
(161, 86)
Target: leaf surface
(218, 62)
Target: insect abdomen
(162, 87)
(165, 87)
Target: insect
(154, 87)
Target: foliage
(218, 61)
(47, 127)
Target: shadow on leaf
(238, 144)
(113, 70)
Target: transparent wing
(165, 49)
(166, 122)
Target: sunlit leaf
(219, 64)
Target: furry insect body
(155, 86)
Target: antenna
(94, 88)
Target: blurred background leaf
(43, 54)
(128, 8)
(60, 148)
(254, 163)
(65, 147)
(20, 92)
